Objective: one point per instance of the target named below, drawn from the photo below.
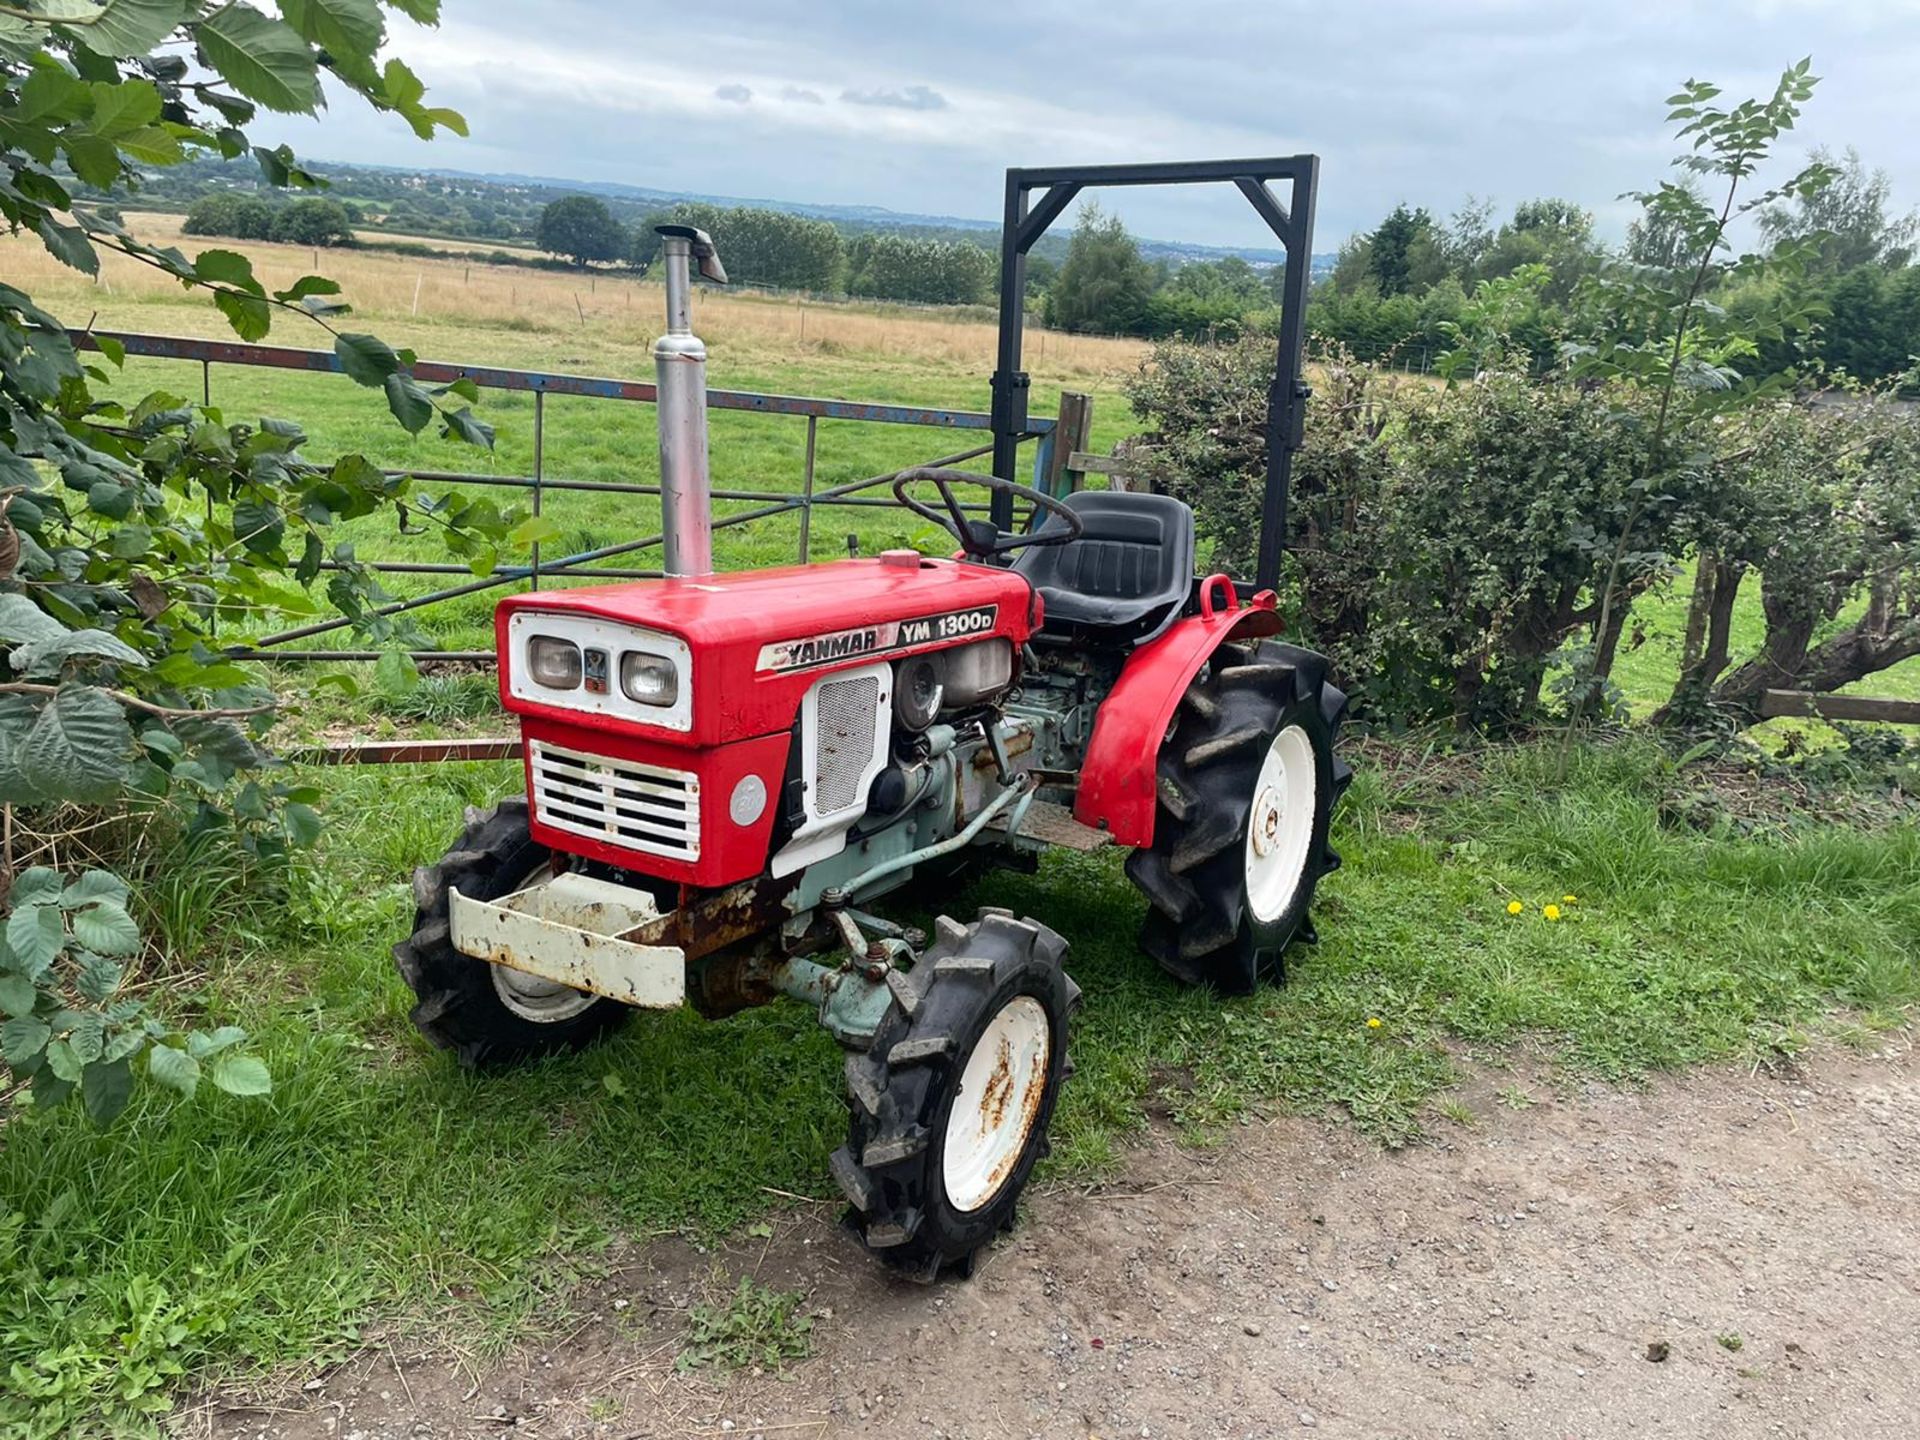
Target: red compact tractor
(727, 774)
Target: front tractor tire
(489, 1015)
(949, 1106)
(1247, 782)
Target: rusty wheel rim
(997, 1103)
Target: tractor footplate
(1055, 825)
(567, 929)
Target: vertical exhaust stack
(680, 375)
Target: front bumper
(568, 929)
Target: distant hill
(466, 205)
(854, 217)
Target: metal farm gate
(1049, 463)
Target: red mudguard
(1117, 783)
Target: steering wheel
(981, 539)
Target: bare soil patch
(1724, 1254)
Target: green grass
(380, 1184)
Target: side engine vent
(845, 743)
(845, 719)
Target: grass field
(379, 1186)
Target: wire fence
(590, 564)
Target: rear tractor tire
(949, 1106)
(1247, 782)
(490, 1015)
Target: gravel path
(1722, 1255)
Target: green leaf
(303, 824)
(242, 1075)
(69, 245)
(22, 620)
(35, 934)
(79, 748)
(262, 58)
(122, 108)
(203, 1044)
(62, 1061)
(225, 267)
(24, 1039)
(152, 144)
(344, 27)
(17, 995)
(106, 928)
(132, 27)
(50, 94)
(427, 12)
(97, 978)
(86, 1033)
(307, 286)
(250, 315)
(410, 404)
(93, 158)
(45, 657)
(94, 886)
(259, 525)
(394, 673)
(174, 1069)
(531, 530)
(367, 358)
(106, 1086)
(49, 1089)
(38, 886)
(461, 425)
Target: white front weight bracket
(567, 929)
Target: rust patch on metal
(998, 1094)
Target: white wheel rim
(544, 1002)
(997, 1103)
(1280, 830)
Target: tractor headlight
(649, 679)
(553, 662)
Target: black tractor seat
(1125, 579)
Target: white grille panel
(621, 802)
(845, 742)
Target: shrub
(1442, 544)
(312, 222)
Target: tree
(312, 222)
(1846, 221)
(127, 524)
(582, 229)
(1656, 333)
(1104, 284)
(1390, 248)
(771, 248)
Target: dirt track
(1515, 1280)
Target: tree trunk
(1862, 649)
(1719, 583)
(1705, 568)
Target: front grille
(620, 802)
(846, 740)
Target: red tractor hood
(760, 638)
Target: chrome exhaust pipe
(680, 378)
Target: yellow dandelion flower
(1373, 1022)
(1514, 907)
(1552, 912)
(1569, 899)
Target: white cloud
(1402, 99)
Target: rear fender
(1117, 779)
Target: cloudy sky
(921, 106)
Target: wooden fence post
(1069, 434)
